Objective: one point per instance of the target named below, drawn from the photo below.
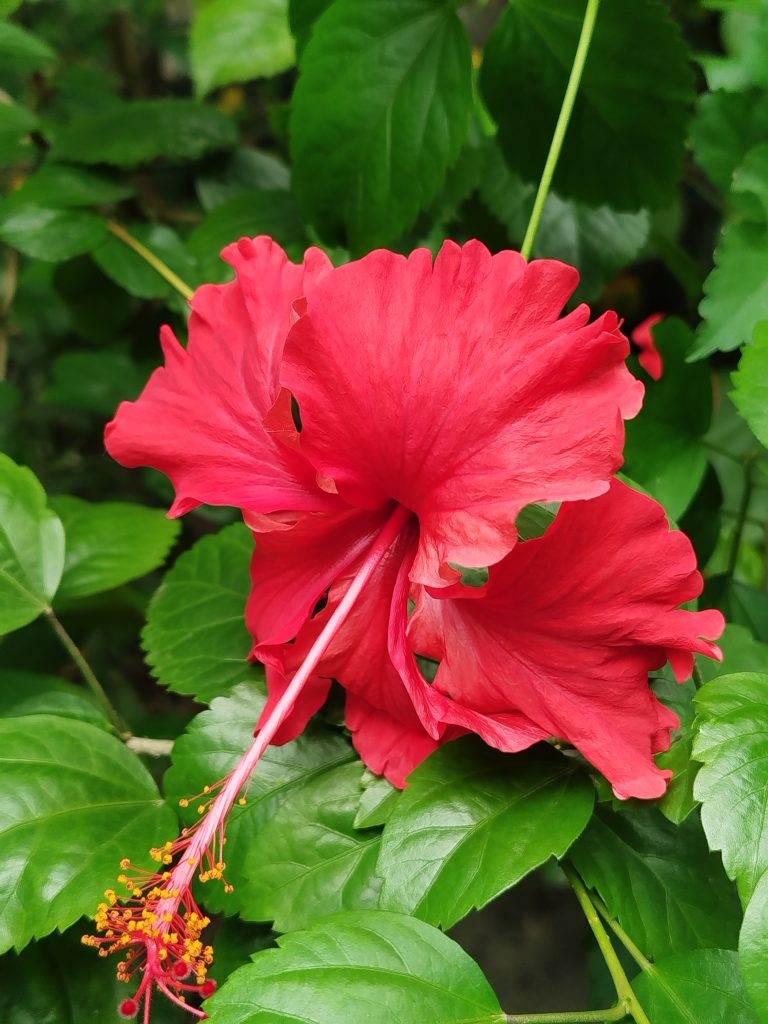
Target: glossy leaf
(110, 543)
(736, 292)
(660, 881)
(380, 112)
(133, 273)
(753, 947)
(732, 785)
(613, 152)
(472, 823)
(195, 637)
(29, 693)
(31, 547)
(134, 133)
(74, 802)
(750, 394)
(389, 967)
(50, 234)
(237, 40)
(693, 987)
(293, 853)
(664, 451)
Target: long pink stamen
(170, 938)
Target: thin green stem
(741, 516)
(698, 682)
(154, 261)
(615, 1013)
(580, 59)
(88, 674)
(623, 988)
(634, 951)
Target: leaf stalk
(149, 257)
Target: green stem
(580, 59)
(623, 988)
(698, 682)
(154, 261)
(88, 674)
(634, 951)
(615, 1013)
(741, 516)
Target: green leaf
(21, 51)
(660, 881)
(94, 381)
(61, 186)
(726, 126)
(389, 967)
(28, 693)
(134, 133)
(753, 947)
(740, 603)
(736, 292)
(196, 639)
(31, 547)
(249, 214)
(527, 62)
(302, 15)
(132, 272)
(741, 653)
(15, 123)
(732, 785)
(74, 802)
(664, 452)
(472, 823)
(750, 394)
(749, 192)
(693, 987)
(380, 112)
(596, 240)
(242, 170)
(237, 40)
(49, 234)
(293, 853)
(109, 544)
(377, 801)
(678, 802)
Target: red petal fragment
(200, 418)
(458, 390)
(649, 357)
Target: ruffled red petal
(200, 418)
(649, 356)
(568, 627)
(458, 390)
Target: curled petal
(458, 390)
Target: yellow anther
(242, 801)
(184, 803)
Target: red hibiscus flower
(649, 356)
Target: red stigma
(181, 969)
(128, 1008)
(208, 988)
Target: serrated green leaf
(50, 234)
(196, 639)
(237, 40)
(596, 240)
(29, 693)
(726, 126)
(377, 801)
(134, 133)
(749, 191)
(31, 547)
(750, 393)
(753, 947)
(678, 802)
(664, 451)
(74, 802)
(293, 853)
(94, 381)
(271, 213)
(660, 881)
(693, 987)
(110, 543)
(732, 785)
(389, 967)
(21, 51)
(527, 62)
(62, 187)
(472, 823)
(132, 272)
(736, 292)
(380, 112)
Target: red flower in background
(649, 356)
(382, 424)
